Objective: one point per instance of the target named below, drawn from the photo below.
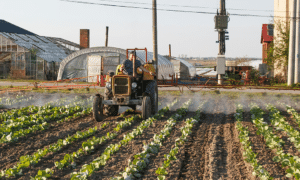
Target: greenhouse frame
(24, 56)
(95, 61)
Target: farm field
(207, 136)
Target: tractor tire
(146, 107)
(154, 106)
(98, 109)
(111, 110)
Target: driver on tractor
(127, 68)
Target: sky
(190, 34)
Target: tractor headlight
(108, 85)
(134, 85)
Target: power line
(184, 6)
(171, 10)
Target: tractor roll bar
(134, 70)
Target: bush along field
(207, 136)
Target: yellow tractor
(125, 90)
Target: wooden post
(170, 55)
(106, 38)
(155, 59)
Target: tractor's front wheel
(98, 109)
(146, 107)
(111, 110)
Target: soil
(213, 150)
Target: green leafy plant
(141, 160)
(88, 169)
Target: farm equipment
(124, 90)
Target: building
(282, 14)
(26, 55)
(266, 40)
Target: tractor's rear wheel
(98, 109)
(146, 107)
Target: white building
(282, 13)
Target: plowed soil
(213, 150)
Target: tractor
(125, 90)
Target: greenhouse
(30, 56)
(88, 63)
(183, 69)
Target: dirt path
(192, 156)
(213, 151)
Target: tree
(278, 53)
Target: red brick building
(266, 39)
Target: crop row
(274, 142)
(14, 113)
(26, 161)
(141, 160)
(88, 169)
(8, 102)
(248, 153)
(185, 132)
(16, 128)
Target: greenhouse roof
(187, 64)
(47, 50)
(10, 28)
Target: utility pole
(297, 47)
(106, 37)
(221, 24)
(291, 62)
(155, 59)
(222, 48)
(170, 54)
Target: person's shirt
(128, 66)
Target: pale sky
(192, 34)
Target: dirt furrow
(119, 161)
(290, 119)
(192, 156)
(264, 154)
(157, 160)
(11, 152)
(216, 153)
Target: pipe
(297, 41)
(291, 61)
